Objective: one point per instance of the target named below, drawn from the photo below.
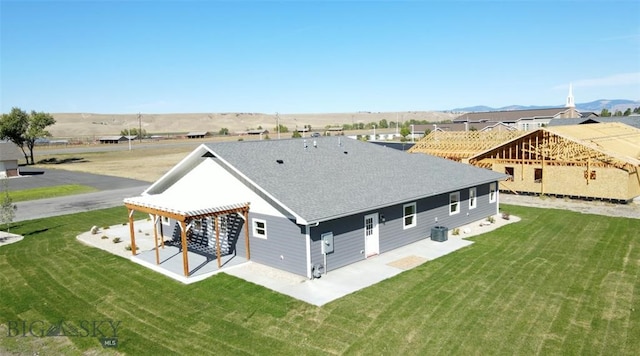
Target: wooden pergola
(184, 218)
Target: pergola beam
(183, 220)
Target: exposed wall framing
(550, 162)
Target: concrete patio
(331, 286)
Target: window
(409, 215)
(472, 198)
(165, 220)
(509, 171)
(259, 228)
(537, 175)
(590, 175)
(492, 193)
(454, 203)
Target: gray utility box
(439, 233)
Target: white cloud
(610, 81)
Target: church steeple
(570, 102)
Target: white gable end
(212, 184)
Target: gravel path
(630, 210)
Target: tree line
(606, 113)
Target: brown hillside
(91, 126)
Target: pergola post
(155, 237)
(185, 251)
(246, 233)
(131, 233)
(215, 218)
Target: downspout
(307, 238)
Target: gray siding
(349, 231)
(284, 247)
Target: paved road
(112, 190)
(43, 208)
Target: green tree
(636, 110)
(296, 134)
(283, 129)
(134, 132)
(627, 112)
(605, 113)
(7, 208)
(24, 129)
(383, 124)
(618, 113)
(404, 132)
(223, 131)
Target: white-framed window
(472, 198)
(492, 193)
(259, 228)
(165, 220)
(409, 215)
(454, 203)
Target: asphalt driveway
(112, 191)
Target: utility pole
(139, 127)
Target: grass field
(557, 282)
(50, 192)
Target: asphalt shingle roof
(9, 151)
(338, 176)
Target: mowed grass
(50, 192)
(557, 282)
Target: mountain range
(595, 106)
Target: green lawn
(50, 192)
(555, 283)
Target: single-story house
(198, 134)
(309, 205)
(9, 156)
(115, 139)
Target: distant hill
(595, 106)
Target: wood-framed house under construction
(587, 161)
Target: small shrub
(491, 219)
(105, 227)
(128, 247)
(506, 216)
(104, 237)
(456, 231)
(116, 240)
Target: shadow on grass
(61, 161)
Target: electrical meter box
(327, 242)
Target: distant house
(305, 206)
(198, 134)
(10, 154)
(114, 139)
(600, 160)
(256, 132)
(633, 120)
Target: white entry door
(371, 237)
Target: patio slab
(331, 286)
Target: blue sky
(312, 57)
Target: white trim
(414, 216)
(254, 228)
(165, 220)
(473, 198)
(493, 189)
(457, 203)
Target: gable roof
(9, 151)
(627, 120)
(333, 176)
(511, 115)
(618, 144)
